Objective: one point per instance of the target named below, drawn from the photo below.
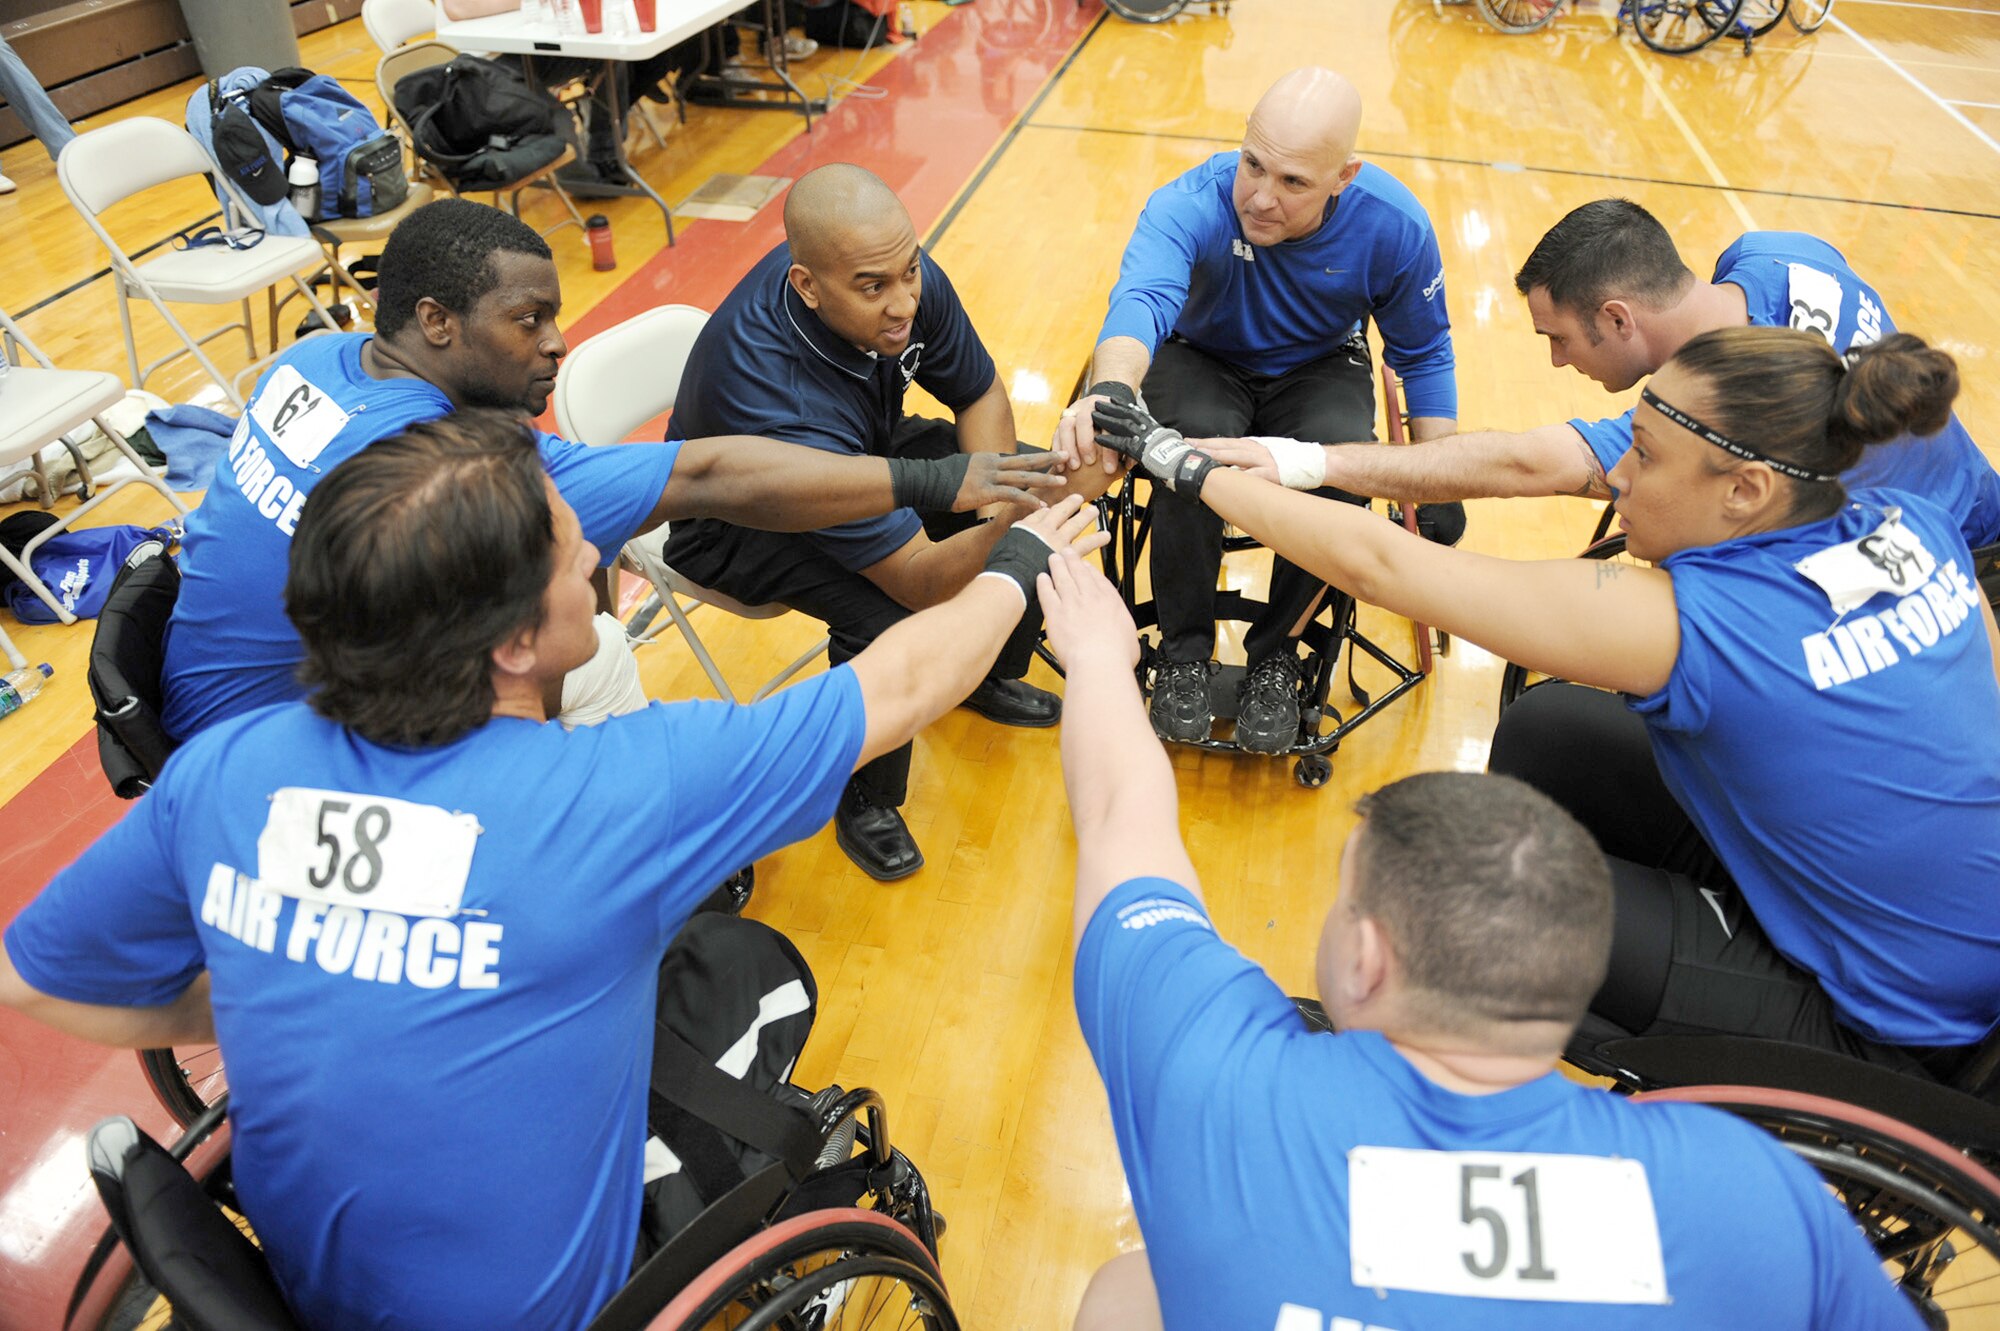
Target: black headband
(1725, 443)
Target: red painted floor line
(949, 101)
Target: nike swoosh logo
(1714, 900)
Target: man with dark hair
(1427, 1166)
(467, 318)
(424, 925)
(1607, 288)
(1242, 305)
(816, 346)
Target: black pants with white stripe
(1687, 956)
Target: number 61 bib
(1503, 1225)
(348, 849)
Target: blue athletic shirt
(766, 365)
(229, 646)
(1792, 280)
(1842, 767)
(440, 1121)
(1237, 1125)
(1269, 309)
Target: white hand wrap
(1301, 466)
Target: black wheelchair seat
(127, 655)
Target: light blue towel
(277, 219)
(194, 439)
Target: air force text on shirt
(257, 477)
(1866, 643)
(376, 945)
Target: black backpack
(481, 122)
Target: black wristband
(1021, 555)
(1115, 390)
(929, 485)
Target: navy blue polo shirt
(766, 365)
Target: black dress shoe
(875, 838)
(1015, 702)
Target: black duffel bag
(481, 122)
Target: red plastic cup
(649, 14)
(593, 15)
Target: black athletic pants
(1327, 400)
(785, 568)
(1687, 956)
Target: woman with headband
(1800, 787)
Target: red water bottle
(599, 229)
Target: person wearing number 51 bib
(1799, 787)
(425, 925)
(1426, 1168)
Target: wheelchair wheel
(187, 1079)
(1758, 17)
(1931, 1213)
(1146, 11)
(1679, 27)
(1518, 16)
(1808, 15)
(821, 1270)
(1517, 680)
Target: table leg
(634, 185)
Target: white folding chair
(109, 165)
(608, 387)
(39, 404)
(396, 23)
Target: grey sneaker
(1180, 709)
(1267, 713)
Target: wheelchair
(763, 1255)
(1330, 627)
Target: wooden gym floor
(1024, 135)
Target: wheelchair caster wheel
(1312, 771)
(733, 894)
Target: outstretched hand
(1086, 619)
(1074, 441)
(1167, 457)
(1060, 525)
(1007, 478)
(1243, 454)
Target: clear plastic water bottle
(19, 687)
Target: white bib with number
(300, 419)
(1816, 300)
(1504, 1225)
(1890, 559)
(347, 849)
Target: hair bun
(1900, 385)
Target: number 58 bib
(347, 849)
(1504, 1225)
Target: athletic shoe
(7, 186)
(875, 838)
(1180, 710)
(1014, 702)
(1267, 711)
(799, 48)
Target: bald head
(833, 208)
(1298, 153)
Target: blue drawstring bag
(77, 566)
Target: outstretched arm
(1119, 363)
(773, 486)
(1483, 464)
(924, 666)
(1122, 799)
(186, 1020)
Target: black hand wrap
(929, 485)
(1021, 556)
(1166, 456)
(1116, 391)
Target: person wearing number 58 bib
(1799, 787)
(1426, 1168)
(424, 925)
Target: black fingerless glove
(929, 485)
(1116, 391)
(1020, 556)
(1167, 457)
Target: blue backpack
(77, 565)
(310, 115)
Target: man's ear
(439, 325)
(805, 284)
(1348, 172)
(516, 653)
(1618, 315)
(1374, 966)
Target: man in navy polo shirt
(816, 346)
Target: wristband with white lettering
(1301, 466)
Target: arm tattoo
(1608, 570)
(1594, 486)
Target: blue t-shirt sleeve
(747, 780)
(1158, 266)
(1165, 1005)
(613, 489)
(115, 928)
(956, 368)
(1416, 329)
(1609, 439)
